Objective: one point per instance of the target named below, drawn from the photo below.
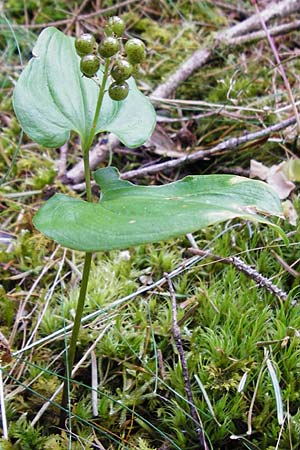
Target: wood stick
(229, 144)
(259, 279)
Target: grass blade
(277, 392)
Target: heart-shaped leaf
(52, 98)
(129, 215)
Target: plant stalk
(91, 135)
(74, 336)
(86, 146)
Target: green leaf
(52, 98)
(128, 215)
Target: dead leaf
(289, 212)
(258, 170)
(275, 176)
(162, 144)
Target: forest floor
(240, 329)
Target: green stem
(98, 107)
(88, 256)
(87, 175)
(74, 336)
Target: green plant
(115, 26)
(121, 70)
(52, 98)
(135, 50)
(85, 44)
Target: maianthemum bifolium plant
(88, 88)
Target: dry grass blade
(2, 406)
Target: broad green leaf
(128, 215)
(52, 98)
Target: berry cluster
(122, 68)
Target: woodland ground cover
(240, 340)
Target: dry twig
(260, 280)
(62, 163)
(278, 30)
(74, 370)
(201, 154)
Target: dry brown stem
(252, 273)
(278, 30)
(201, 154)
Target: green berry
(89, 65)
(121, 70)
(85, 44)
(115, 26)
(118, 91)
(135, 50)
(109, 47)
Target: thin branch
(62, 332)
(229, 144)
(94, 377)
(187, 385)
(75, 17)
(201, 154)
(278, 30)
(259, 279)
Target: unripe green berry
(85, 44)
(89, 65)
(109, 47)
(135, 50)
(118, 91)
(115, 26)
(121, 70)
